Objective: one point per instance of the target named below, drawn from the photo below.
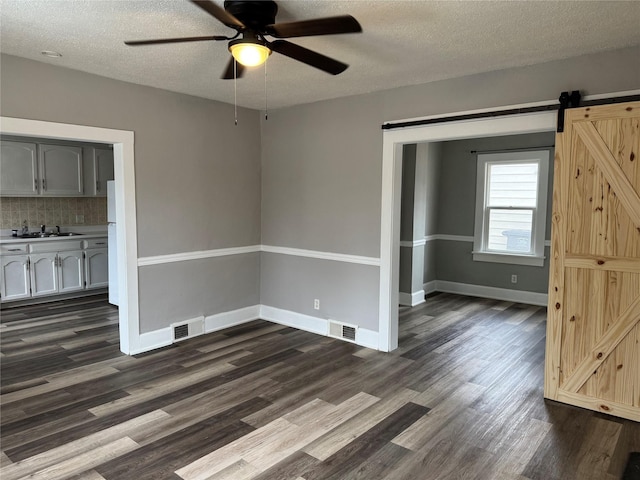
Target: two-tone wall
(321, 186)
(268, 216)
(197, 181)
(449, 266)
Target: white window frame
(480, 252)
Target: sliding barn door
(593, 329)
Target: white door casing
(392, 142)
(127, 240)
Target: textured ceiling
(404, 42)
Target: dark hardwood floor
(460, 399)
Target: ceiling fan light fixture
(249, 53)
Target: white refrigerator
(113, 243)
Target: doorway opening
(394, 142)
(442, 187)
(126, 240)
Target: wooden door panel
(613, 379)
(593, 329)
(580, 197)
(600, 223)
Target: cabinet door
(70, 271)
(19, 166)
(60, 170)
(14, 281)
(103, 170)
(44, 276)
(97, 268)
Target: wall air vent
(343, 331)
(181, 331)
(188, 329)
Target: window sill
(531, 260)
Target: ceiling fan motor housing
(253, 20)
(254, 14)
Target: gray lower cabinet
(43, 271)
(15, 283)
(37, 269)
(96, 262)
(60, 272)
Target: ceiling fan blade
(228, 71)
(304, 55)
(135, 43)
(220, 14)
(318, 26)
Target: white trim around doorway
(393, 140)
(127, 239)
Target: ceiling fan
(253, 21)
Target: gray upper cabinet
(60, 170)
(102, 171)
(19, 167)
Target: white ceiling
(403, 43)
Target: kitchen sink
(47, 235)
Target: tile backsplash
(51, 211)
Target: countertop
(83, 236)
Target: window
(511, 207)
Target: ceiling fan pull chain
(235, 91)
(266, 105)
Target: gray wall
(321, 184)
(349, 293)
(432, 193)
(197, 179)
(408, 204)
(456, 215)
(418, 213)
(307, 178)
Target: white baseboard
(367, 338)
(164, 336)
(320, 326)
(152, 340)
(212, 323)
(294, 319)
(506, 294)
(430, 287)
(364, 337)
(220, 321)
(411, 299)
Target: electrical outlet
(514, 278)
(79, 218)
(316, 304)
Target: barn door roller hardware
(567, 100)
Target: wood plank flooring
(460, 399)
